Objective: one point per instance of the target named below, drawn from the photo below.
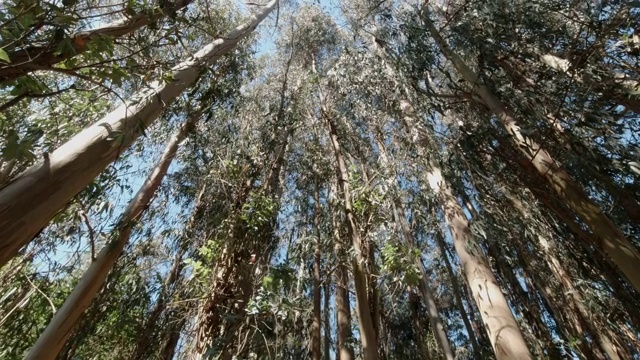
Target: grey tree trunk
(505, 336)
(437, 326)
(316, 353)
(344, 351)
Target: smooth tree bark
(408, 115)
(31, 199)
(66, 318)
(505, 336)
(344, 350)
(174, 276)
(539, 336)
(316, 353)
(456, 290)
(367, 331)
(43, 57)
(437, 326)
(612, 240)
(373, 293)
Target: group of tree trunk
(454, 180)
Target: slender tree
(44, 189)
(65, 319)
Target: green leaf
(4, 56)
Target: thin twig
(53, 307)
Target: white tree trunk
(65, 319)
(505, 336)
(29, 202)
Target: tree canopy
(329, 179)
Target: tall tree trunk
(66, 318)
(455, 288)
(344, 350)
(145, 338)
(373, 291)
(234, 274)
(586, 240)
(369, 254)
(31, 199)
(572, 296)
(327, 325)
(529, 308)
(506, 339)
(568, 321)
(435, 320)
(474, 312)
(414, 303)
(343, 309)
(437, 326)
(621, 196)
(174, 275)
(316, 353)
(359, 268)
(613, 241)
(43, 57)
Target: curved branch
(29, 59)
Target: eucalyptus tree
(248, 241)
(113, 253)
(613, 241)
(54, 336)
(37, 36)
(73, 165)
(455, 168)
